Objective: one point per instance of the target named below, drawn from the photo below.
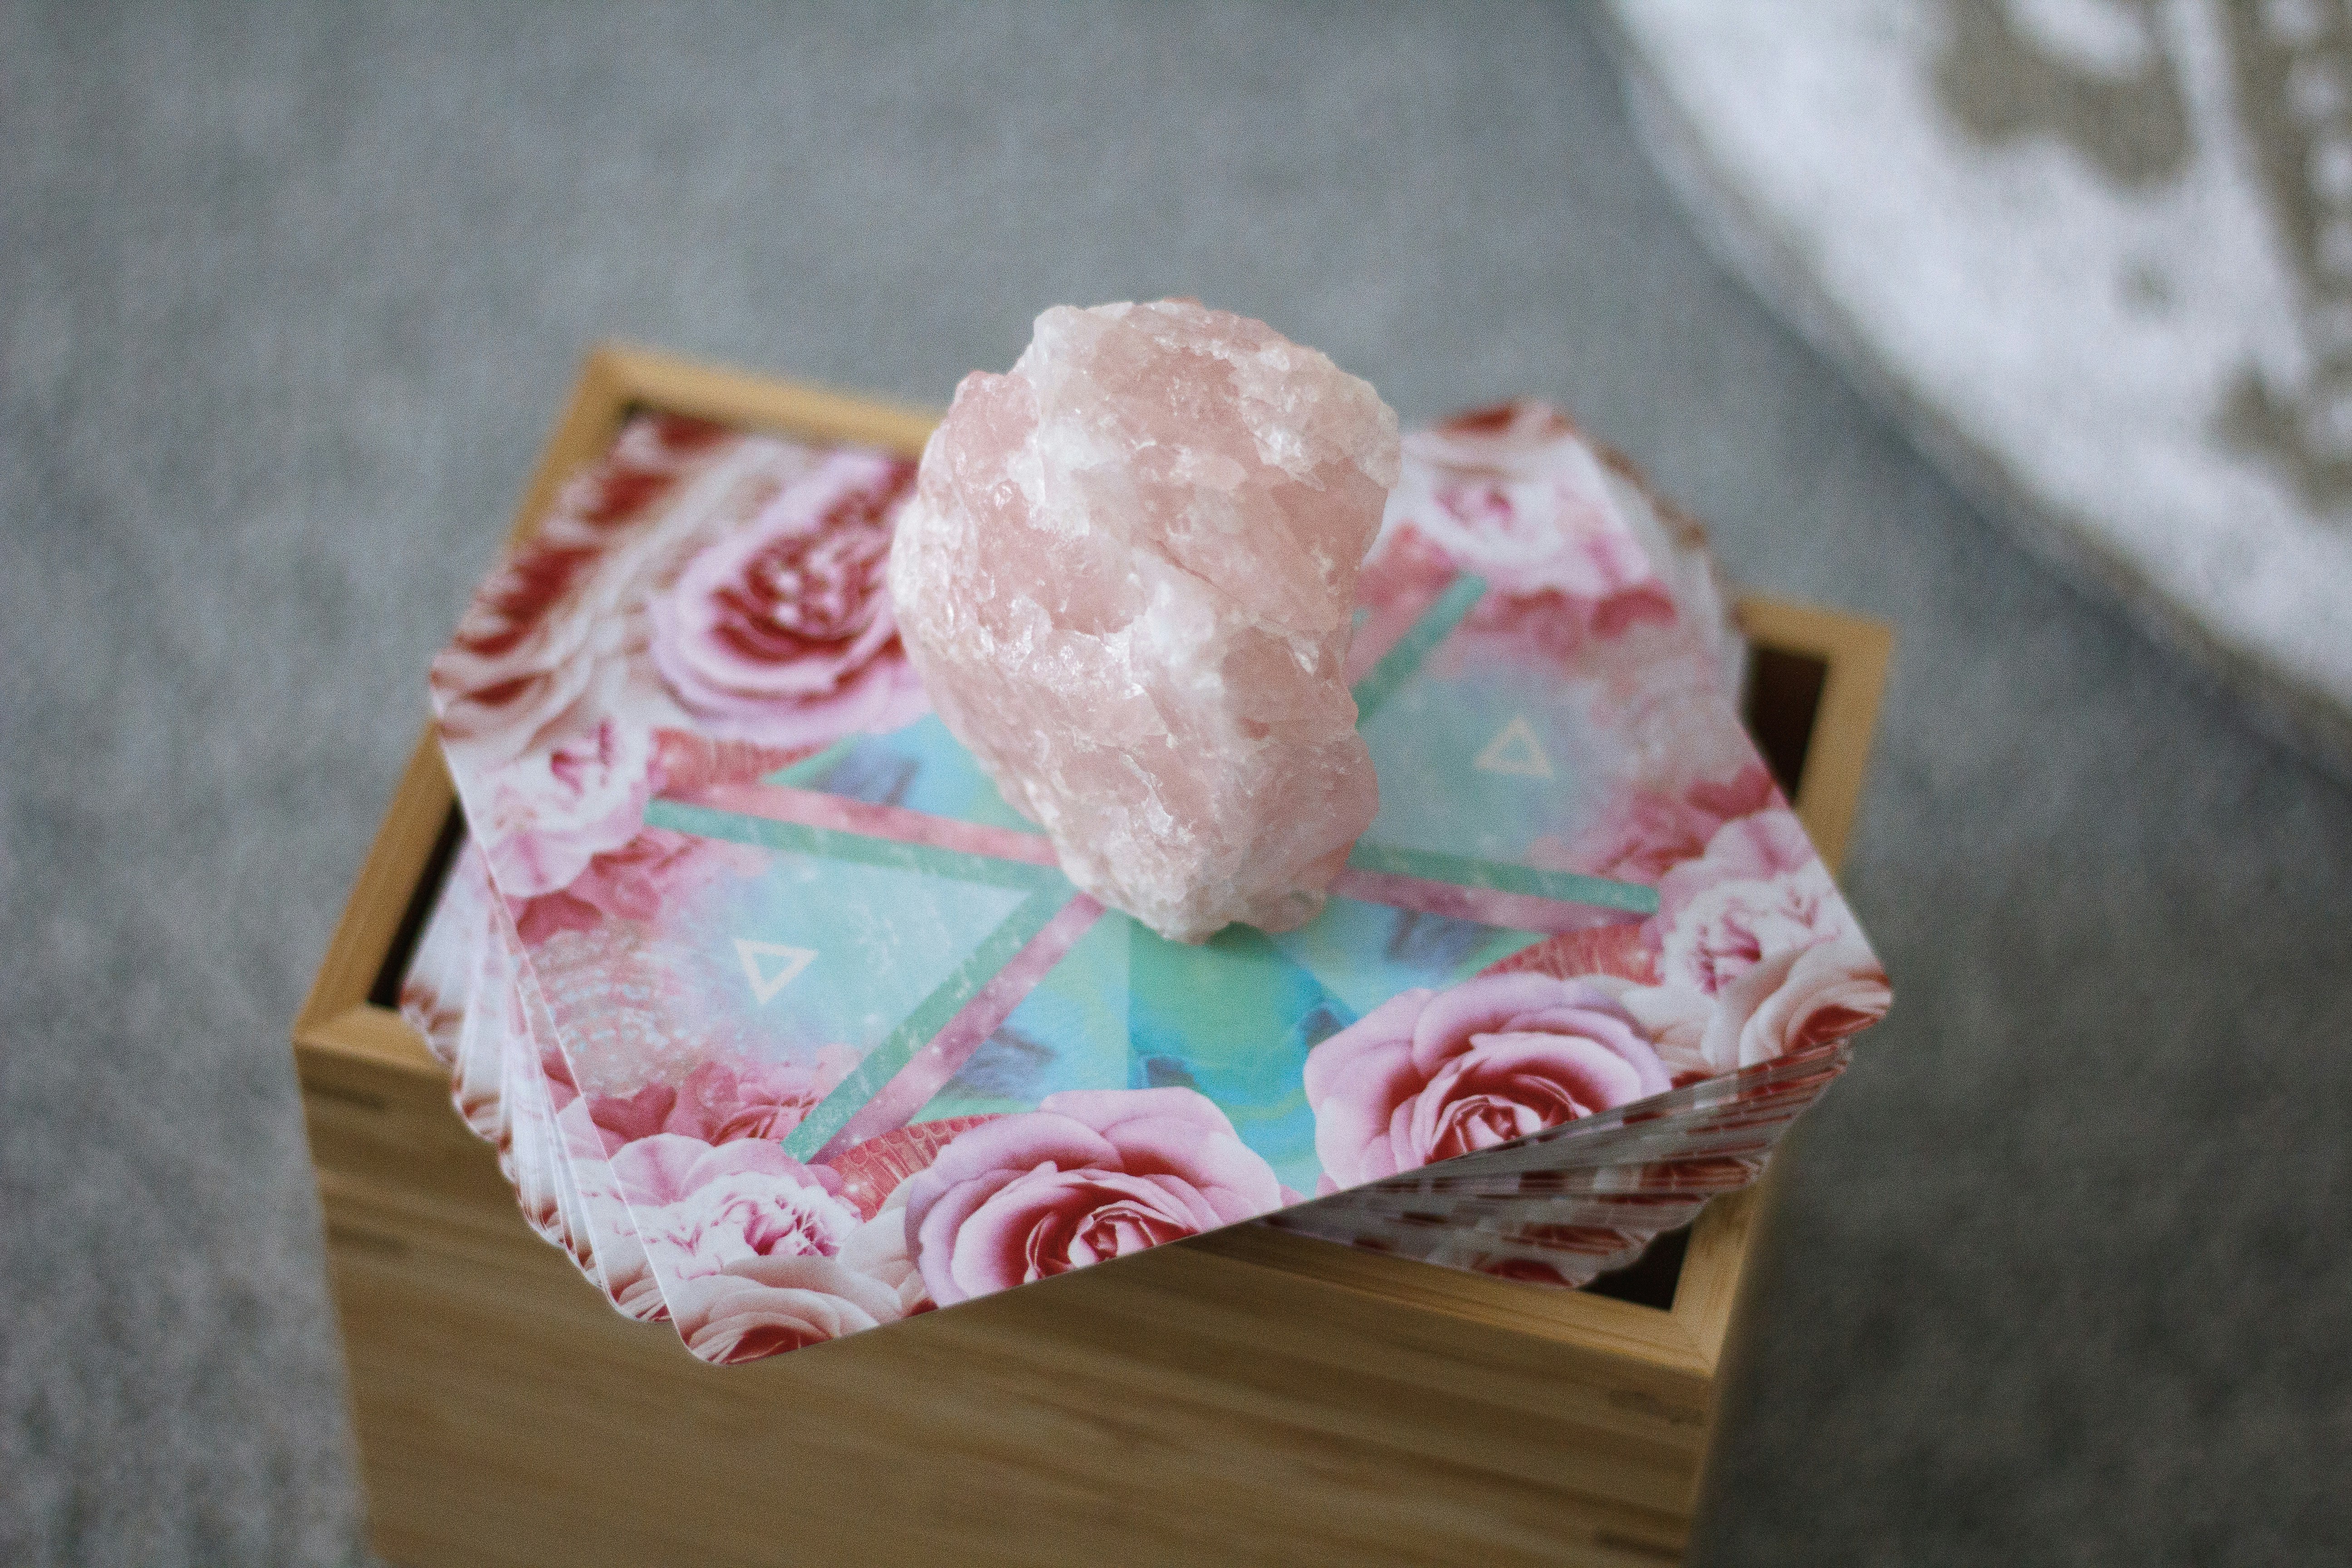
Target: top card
(843, 1030)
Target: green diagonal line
(885, 1061)
(1567, 887)
(804, 773)
(1436, 623)
(707, 822)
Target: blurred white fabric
(2095, 255)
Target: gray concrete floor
(288, 298)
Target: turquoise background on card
(921, 767)
(1427, 741)
(1233, 1018)
(885, 939)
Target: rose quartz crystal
(1126, 578)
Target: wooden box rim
(338, 1020)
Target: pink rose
(721, 1104)
(692, 579)
(1792, 1000)
(880, 1250)
(610, 1246)
(1759, 889)
(763, 1306)
(781, 631)
(637, 868)
(1795, 1000)
(699, 1209)
(1429, 1075)
(1514, 494)
(1089, 1174)
(545, 814)
(632, 882)
(1640, 836)
(521, 656)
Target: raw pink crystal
(1126, 579)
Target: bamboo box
(1248, 1396)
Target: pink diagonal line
(928, 1070)
(809, 808)
(1516, 911)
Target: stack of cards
(785, 1026)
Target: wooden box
(1248, 1396)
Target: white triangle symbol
(791, 961)
(1515, 750)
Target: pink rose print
(880, 1250)
(1429, 1075)
(632, 882)
(1640, 835)
(1514, 494)
(876, 1171)
(699, 1209)
(760, 1306)
(520, 655)
(1756, 955)
(609, 1232)
(782, 632)
(721, 1104)
(1089, 1174)
(1760, 888)
(1794, 1000)
(549, 813)
(624, 883)
(643, 866)
(694, 579)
